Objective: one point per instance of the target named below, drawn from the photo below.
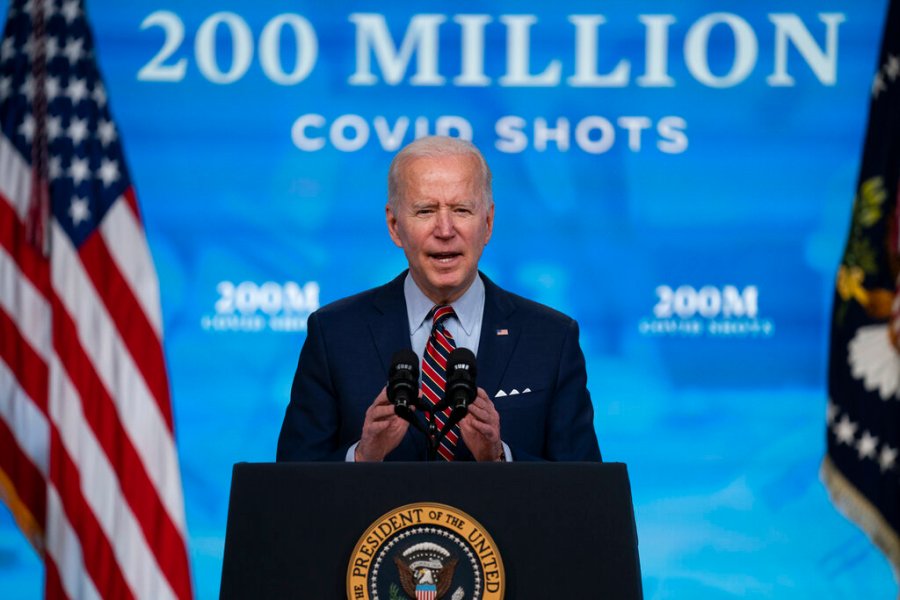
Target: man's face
(442, 224)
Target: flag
(861, 468)
(88, 464)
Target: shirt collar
(466, 307)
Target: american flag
(88, 465)
(861, 468)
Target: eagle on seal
(425, 572)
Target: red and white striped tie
(434, 374)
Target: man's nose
(443, 226)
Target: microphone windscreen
(461, 373)
(462, 359)
(403, 378)
(406, 360)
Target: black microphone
(460, 389)
(461, 373)
(403, 383)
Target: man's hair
(435, 147)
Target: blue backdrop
(676, 176)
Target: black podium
(563, 530)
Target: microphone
(460, 389)
(403, 383)
(461, 373)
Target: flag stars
(78, 130)
(52, 48)
(866, 446)
(8, 49)
(845, 430)
(49, 8)
(878, 85)
(74, 50)
(109, 171)
(28, 88)
(79, 211)
(79, 170)
(831, 411)
(77, 91)
(70, 10)
(51, 88)
(887, 74)
(29, 47)
(54, 128)
(5, 86)
(54, 168)
(887, 458)
(892, 68)
(26, 129)
(99, 94)
(106, 130)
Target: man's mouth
(444, 257)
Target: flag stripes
(75, 519)
(124, 240)
(126, 384)
(21, 487)
(67, 575)
(87, 450)
(21, 415)
(127, 316)
(52, 584)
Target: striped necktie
(434, 374)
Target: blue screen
(678, 177)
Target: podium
(562, 530)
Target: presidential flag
(88, 465)
(861, 467)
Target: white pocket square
(512, 392)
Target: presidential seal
(425, 551)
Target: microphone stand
(434, 435)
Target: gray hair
(434, 147)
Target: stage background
(690, 215)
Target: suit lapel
(389, 323)
(499, 336)
(389, 326)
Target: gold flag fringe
(858, 509)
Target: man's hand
(382, 430)
(480, 429)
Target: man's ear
(392, 224)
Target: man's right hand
(382, 430)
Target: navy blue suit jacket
(349, 345)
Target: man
(532, 402)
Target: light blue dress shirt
(465, 327)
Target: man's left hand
(480, 429)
